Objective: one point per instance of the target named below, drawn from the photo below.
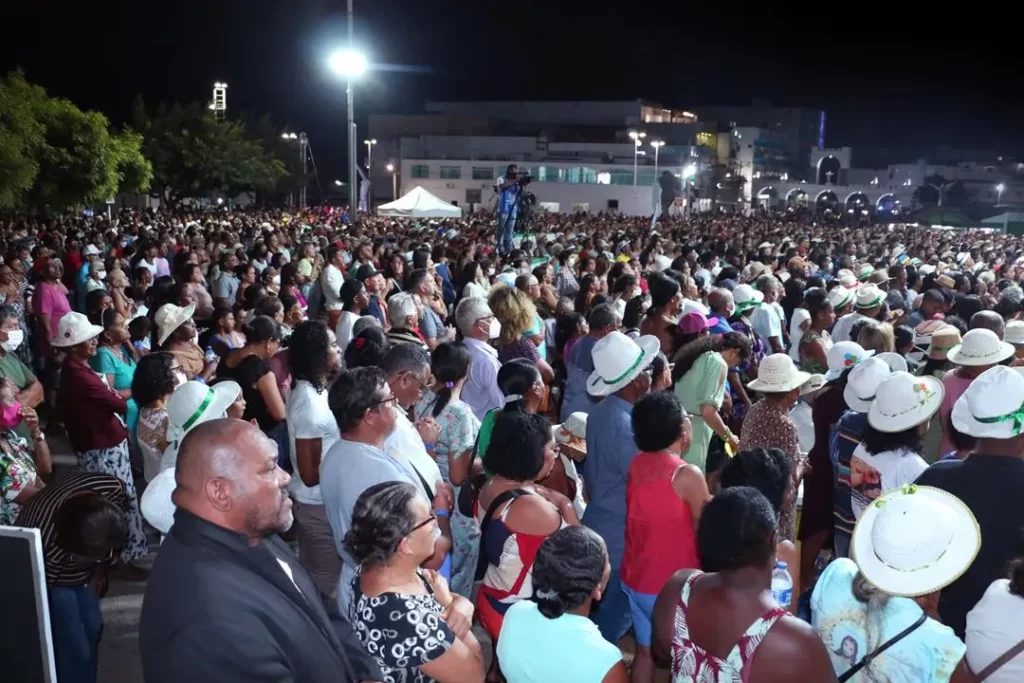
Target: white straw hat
(869, 296)
(575, 426)
(895, 361)
(903, 401)
(980, 347)
(170, 317)
(156, 504)
(993, 405)
(1014, 333)
(843, 356)
(194, 403)
(862, 383)
(915, 540)
(745, 297)
(778, 374)
(618, 360)
(847, 279)
(839, 297)
(73, 329)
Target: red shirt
(91, 410)
(660, 539)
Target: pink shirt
(50, 299)
(955, 386)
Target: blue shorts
(641, 607)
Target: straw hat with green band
(869, 296)
(993, 405)
(746, 297)
(193, 403)
(618, 360)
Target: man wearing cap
(990, 482)
(478, 326)
(622, 377)
(373, 281)
(867, 305)
(227, 599)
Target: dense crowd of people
(356, 440)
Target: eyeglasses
(389, 399)
(428, 520)
(424, 386)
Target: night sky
(904, 83)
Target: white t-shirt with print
(800, 316)
(309, 417)
(873, 475)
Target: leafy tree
(194, 154)
(53, 154)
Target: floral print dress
(16, 472)
(458, 431)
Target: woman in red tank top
(664, 499)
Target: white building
(560, 187)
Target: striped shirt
(40, 512)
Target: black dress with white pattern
(401, 631)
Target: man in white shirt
(765, 319)
(331, 281)
(354, 299)
(478, 326)
(366, 412)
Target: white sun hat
(839, 297)
(746, 297)
(689, 305)
(192, 404)
(847, 279)
(156, 504)
(862, 383)
(618, 360)
(869, 296)
(915, 540)
(170, 317)
(993, 405)
(778, 374)
(575, 426)
(980, 347)
(843, 356)
(903, 401)
(895, 361)
(73, 329)
(1014, 333)
(926, 269)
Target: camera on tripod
(524, 179)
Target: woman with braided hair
(550, 637)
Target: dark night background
(905, 82)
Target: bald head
(720, 301)
(227, 474)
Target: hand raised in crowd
(444, 498)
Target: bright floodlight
(391, 168)
(690, 171)
(1000, 187)
(349, 63)
(370, 142)
(657, 143)
(338, 183)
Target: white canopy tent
(419, 203)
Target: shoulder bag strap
(1000, 661)
(485, 521)
(870, 657)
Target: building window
(549, 174)
(420, 171)
(483, 173)
(451, 172)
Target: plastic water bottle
(782, 585)
(211, 355)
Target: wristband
(443, 513)
(429, 447)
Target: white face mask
(495, 329)
(490, 272)
(276, 280)
(101, 275)
(435, 533)
(14, 339)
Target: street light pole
(636, 137)
(394, 182)
(999, 193)
(369, 155)
(303, 154)
(353, 200)
(657, 145)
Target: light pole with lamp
(657, 145)
(351, 64)
(303, 155)
(636, 137)
(999, 193)
(394, 182)
(369, 154)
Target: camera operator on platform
(508, 208)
